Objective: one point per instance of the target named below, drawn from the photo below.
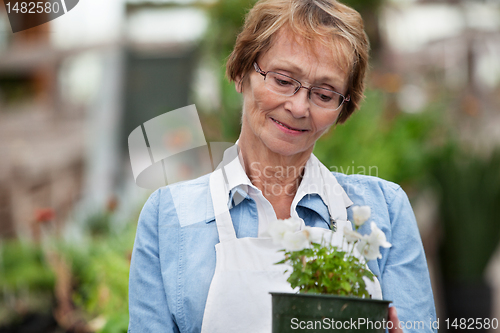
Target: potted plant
(331, 277)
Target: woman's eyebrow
(294, 69)
(328, 81)
(335, 81)
(288, 66)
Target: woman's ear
(238, 83)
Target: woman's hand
(393, 317)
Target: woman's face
(290, 125)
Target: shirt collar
(319, 180)
(315, 181)
(314, 203)
(236, 178)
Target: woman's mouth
(288, 127)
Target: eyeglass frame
(264, 74)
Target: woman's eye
(324, 98)
(282, 82)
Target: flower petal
(361, 214)
(295, 241)
(317, 235)
(351, 236)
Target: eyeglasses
(285, 85)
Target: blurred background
(73, 89)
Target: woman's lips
(288, 127)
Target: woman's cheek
(266, 100)
(323, 124)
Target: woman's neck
(277, 176)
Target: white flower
(292, 223)
(278, 228)
(295, 241)
(351, 236)
(317, 235)
(369, 245)
(360, 214)
(377, 237)
(368, 251)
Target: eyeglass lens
(286, 86)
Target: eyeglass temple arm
(258, 70)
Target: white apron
(245, 272)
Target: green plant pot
(317, 313)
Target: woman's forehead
(296, 51)
(332, 51)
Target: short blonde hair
(337, 26)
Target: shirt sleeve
(148, 308)
(406, 279)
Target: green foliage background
(98, 265)
(373, 142)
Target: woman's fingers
(393, 317)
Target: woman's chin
(285, 149)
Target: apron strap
(334, 195)
(219, 193)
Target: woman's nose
(300, 103)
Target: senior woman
(300, 67)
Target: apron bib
(245, 272)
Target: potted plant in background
(469, 210)
(330, 275)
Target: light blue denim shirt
(173, 260)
